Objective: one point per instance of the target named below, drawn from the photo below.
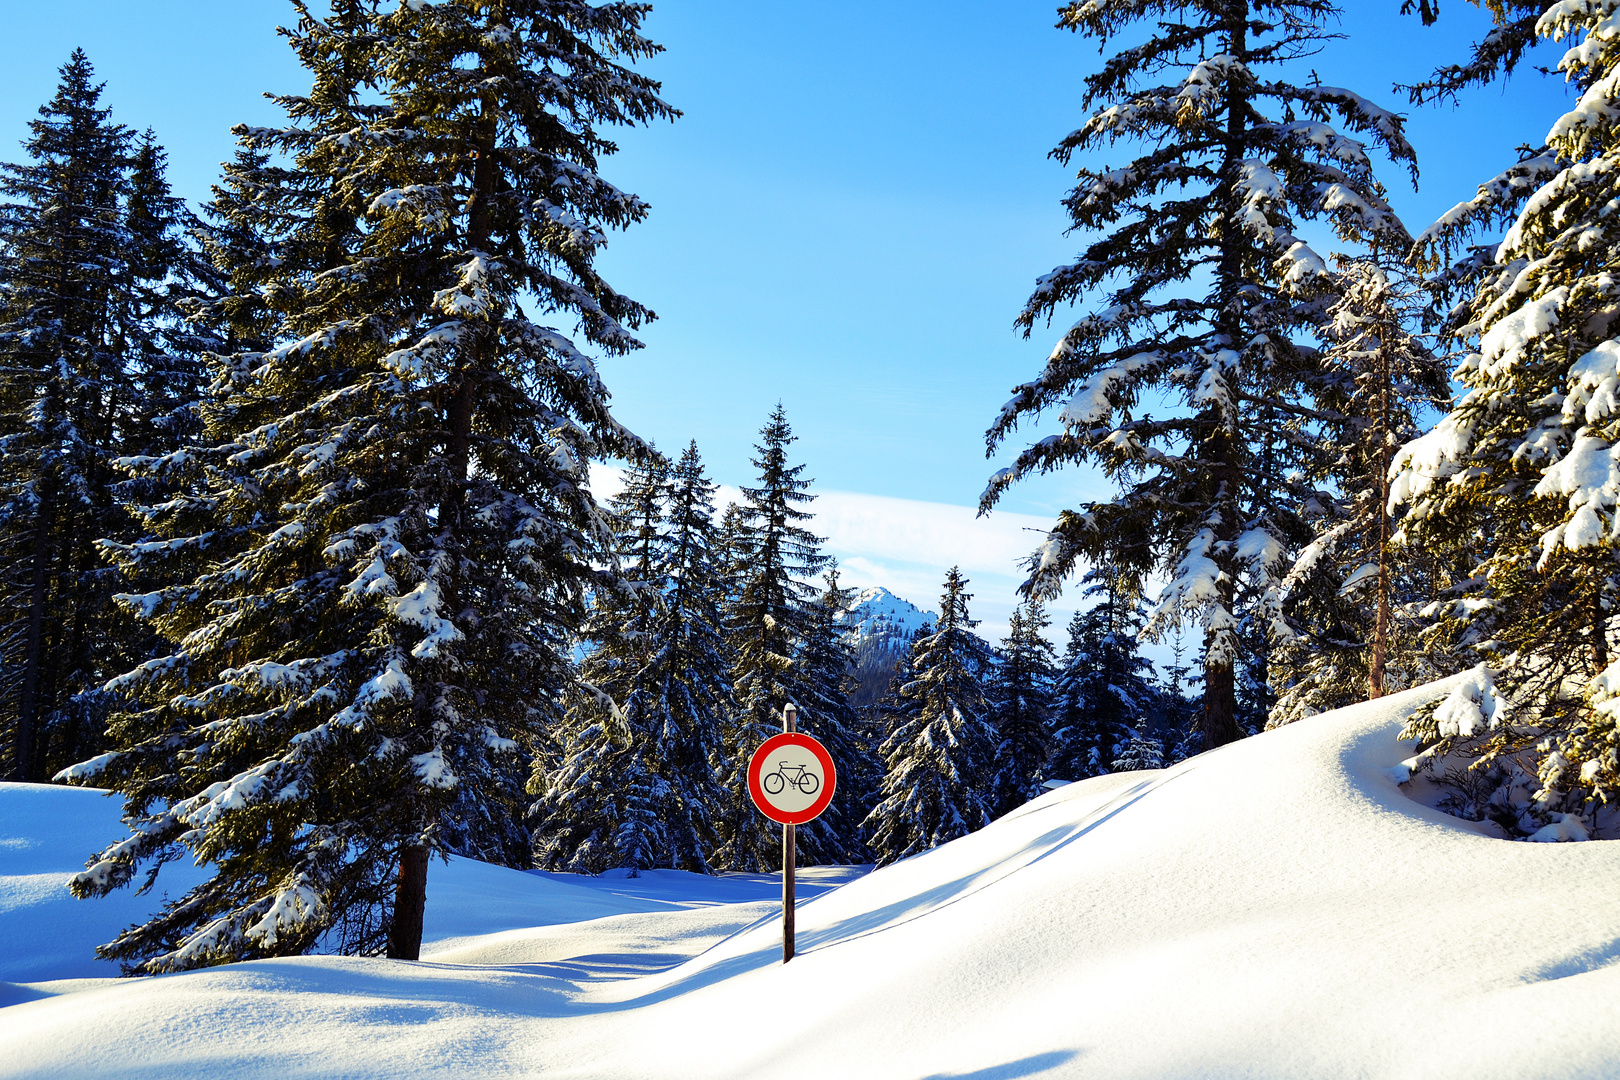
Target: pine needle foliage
(1496, 55)
(69, 306)
(938, 762)
(1190, 384)
(1345, 631)
(1523, 470)
(373, 585)
(1022, 708)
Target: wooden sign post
(790, 845)
(791, 779)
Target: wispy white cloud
(907, 546)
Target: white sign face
(792, 778)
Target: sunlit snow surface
(1277, 908)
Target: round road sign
(791, 778)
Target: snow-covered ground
(1277, 908)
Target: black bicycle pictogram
(798, 776)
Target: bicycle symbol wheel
(773, 783)
(809, 782)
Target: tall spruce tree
(770, 618)
(67, 304)
(1525, 470)
(393, 536)
(1105, 689)
(1021, 712)
(168, 334)
(825, 664)
(938, 761)
(1196, 399)
(633, 785)
(1344, 627)
(598, 805)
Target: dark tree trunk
(1600, 634)
(26, 767)
(1220, 447)
(1380, 641)
(1220, 706)
(410, 899)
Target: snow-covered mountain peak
(877, 612)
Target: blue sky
(847, 219)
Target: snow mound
(46, 834)
(1275, 908)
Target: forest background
(377, 615)
(847, 218)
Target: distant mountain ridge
(878, 626)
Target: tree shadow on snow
(1013, 1070)
(812, 939)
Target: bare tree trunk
(1380, 641)
(1600, 634)
(26, 767)
(1220, 706)
(410, 899)
(1219, 725)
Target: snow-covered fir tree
(1105, 688)
(391, 537)
(1022, 706)
(633, 786)
(169, 334)
(692, 664)
(1142, 751)
(1525, 469)
(68, 305)
(598, 805)
(777, 560)
(1196, 399)
(825, 665)
(1345, 632)
(939, 760)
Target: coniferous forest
(301, 553)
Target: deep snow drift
(1276, 908)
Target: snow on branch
(1594, 386)
(1495, 200)
(1436, 457)
(1094, 400)
(1504, 344)
(1589, 476)
(1196, 585)
(470, 296)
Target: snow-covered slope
(47, 936)
(1276, 908)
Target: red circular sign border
(757, 762)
